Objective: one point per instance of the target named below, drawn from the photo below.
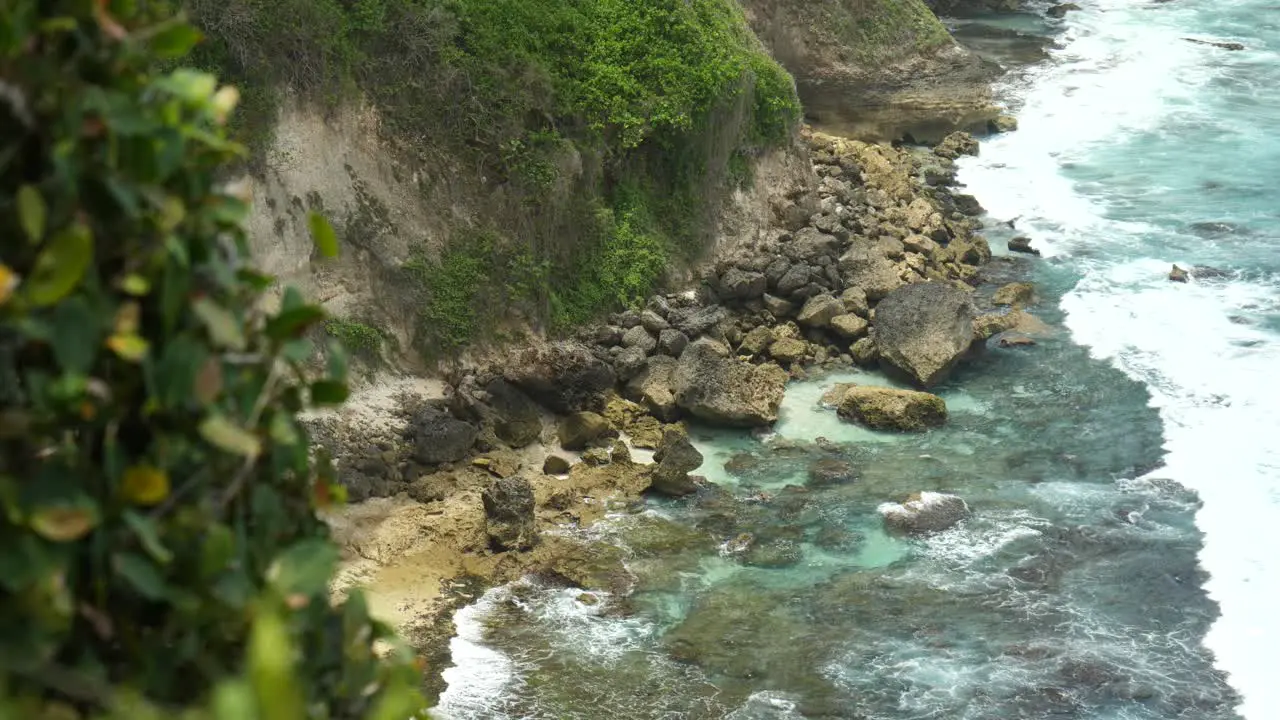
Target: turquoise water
(1123, 473)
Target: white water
(1125, 71)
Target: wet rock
(992, 324)
(955, 145)
(1178, 274)
(652, 387)
(737, 284)
(555, 465)
(581, 429)
(849, 326)
(756, 341)
(924, 512)
(1003, 124)
(825, 472)
(724, 391)
(819, 310)
(864, 352)
(772, 554)
(1015, 340)
(508, 509)
(1017, 294)
(866, 268)
(440, 438)
(653, 322)
(924, 329)
(565, 376)
(1022, 244)
(834, 538)
(1061, 10)
(639, 338)
(674, 459)
(788, 351)
(1217, 44)
(672, 342)
(778, 307)
(881, 408)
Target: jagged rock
(640, 338)
(796, 277)
(778, 307)
(555, 465)
(920, 244)
(627, 319)
(672, 342)
(955, 145)
(740, 284)
(629, 363)
(849, 326)
(1178, 274)
(432, 488)
(565, 377)
(881, 408)
(971, 251)
(1060, 11)
(810, 243)
(1004, 124)
(855, 301)
(1213, 43)
(991, 324)
(924, 512)
(924, 329)
(597, 456)
(695, 322)
(607, 335)
(788, 351)
(1016, 294)
(819, 310)
(652, 387)
(675, 458)
(653, 322)
(581, 429)
(862, 266)
(1022, 244)
(659, 305)
(645, 432)
(756, 341)
(775, 270)
(864, 352)
(438, 437)
(825, 472)
(724, 391)
(508, 509)
(619, 453)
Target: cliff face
(875, 69)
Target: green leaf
(142, 575)
(190, 85)
(217, 550)
(282, 430)
(292, 323)
(233, 700)
(60, 266)
(298, 350)
(223, 327)
(149, 535)
(175, 41)
(64, 523)
(271, 663)
(76, 330)
(135, 285)
(305, 568)
(322, 234)
(328, 392)
(227, 436)
(32, 213)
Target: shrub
(357, 338)
(160, 554)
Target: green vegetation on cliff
(160, 550)
(615, 125)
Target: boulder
(607, 335)
(1016, 294)
(672, 342)
(640, 338)
(855, 301)
(652, 387)
(923, 329)
(756, 341)
(992, 324)
(849, 326)
(920, 244)
(726, 391)
(629, 363)
(829, 471)
(653, 322)
(645, 432)
(788, 350)
(924, 512)
(796, 277)
(1003, 124)
(1178, 274)
(581, 429)
(865, 267)
(864, 352)
(597, 456)
(565, 376)
(508, 510)
(1022, 244)
(810, 243)
(881, 408)
(738, 284)
(438, 437)
(819, 310)
(778, 307)
(555, 465)
(517, 420)
(696, 321)
(955, 145)
(674, 459)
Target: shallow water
(1090, 582)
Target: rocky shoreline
(465, 484)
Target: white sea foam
(480, 676)
(1125, 70)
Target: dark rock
(653, 322)
(1177, 274)
(565, 377)
(810, 243)
(1013, 340)
(517, 421)
(1060, 11)
(508, 509)
(924, 329)
(607, 335)
(778, 307)
(638, 337)
(1214, 43)
(739, 284)
(629, 363)
(555, 465)
(581, 429)
(924, 512)
(864, 352)
(831, 471)
(773, 553)
(837, 539)
(440, 438)
(675, 458)
(775, 270)
(695, 322)
(1022, 244)
(672, 342)
(627, 319)
(796, 277)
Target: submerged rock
(924, 329)
(881, 408)
(508, 510)
(1022, 244)
(1015, 294)
(725, 391)
(831, 471)
(924, 512)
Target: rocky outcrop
(653, 387)
(508, 511)
(924, 512)
(721, 390)
(675, 458)
(565, 376)
(881, 408)
(924, 329)
(440, 438)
